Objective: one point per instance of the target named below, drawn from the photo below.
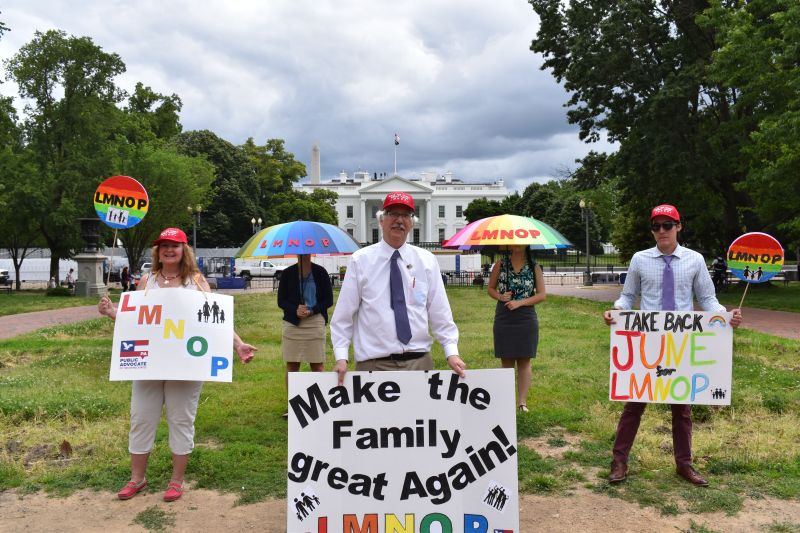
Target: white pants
(180, 399)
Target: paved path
(779, 323)
(13, 325)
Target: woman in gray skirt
(517, 283)
(304, 294)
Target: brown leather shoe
(691, 475)
(619, 471)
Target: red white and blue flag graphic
(134, 348)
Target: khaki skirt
(304, 343)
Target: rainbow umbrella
(505, 230)
(298, 238)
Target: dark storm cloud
(454, 78)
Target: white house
(440, 201)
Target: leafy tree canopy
(669, 81)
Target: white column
(363, 226)
(429, 221)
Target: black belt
(405, 356)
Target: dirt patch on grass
(202, 510)
(555, 443)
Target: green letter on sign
(203, 346)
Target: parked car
(261, 268)
(4, 277)
(145, 268)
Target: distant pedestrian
(125, 279)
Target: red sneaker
(131, 489)
(173, 492)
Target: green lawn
(772, 295)
(35, 300)
(54, 387)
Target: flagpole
(396, 144)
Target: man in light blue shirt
(665, 277)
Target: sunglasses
(655, 226)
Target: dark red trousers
(681, 431)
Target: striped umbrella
(299, 238)
(505, 230)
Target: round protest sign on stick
(755, 258)
(121, 202)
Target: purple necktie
(668, 285)
(398, 300)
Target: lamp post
(256, 224)
(195, 212)
(586, 213)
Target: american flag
(396, 139)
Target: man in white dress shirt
(650, 273)
(392, 294)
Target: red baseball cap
(171, 234)
(665, 210)
(398, 198)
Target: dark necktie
(668, 285)
(398, 300)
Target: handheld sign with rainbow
(121, 202)
(755, 257)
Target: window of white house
(374, 234)
(459, 212)
(441, 234)
(350, 231)
(349, 211)
(416, 234)
(441, 211)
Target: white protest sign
(173, 334)
(682, 357)
(394, 452)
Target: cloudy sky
(454, 78)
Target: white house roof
(395, 183)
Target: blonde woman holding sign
(174, 267)
(517, 283)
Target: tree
(482, 208)
(235, 192)
(638, 71)
(758, 55)
(70, 116)
(252, 181)
(159, 114)
(318, 206)
(18, 224)
(557, 203)
(172, 181)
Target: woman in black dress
(517, 283)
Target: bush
(58, 291)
